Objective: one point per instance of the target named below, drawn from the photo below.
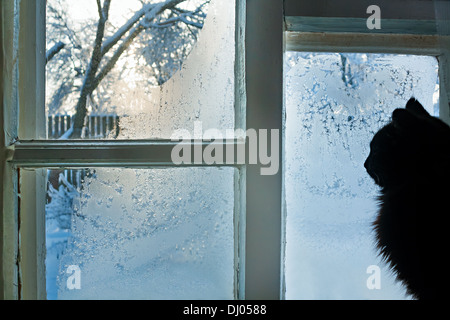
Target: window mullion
(44, 154)
(264, 78)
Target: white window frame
(332, 32)
(23, 242)
(262, 34)
(257, 256)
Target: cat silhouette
(410, 161)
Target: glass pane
(140, 234)
(177, 70)
(334, 105)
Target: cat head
(407, 147)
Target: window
(214, 190)
(150, 95)
(342, 82)
(334, 105)
(166, 79)
(172, 239)
(256, 211)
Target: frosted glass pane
(203, 90)
(169, 77)
(334, 105)
(142, 234)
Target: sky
(120, 10)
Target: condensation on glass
(127, 105)
(147, 233)
(141, 234)
(334, 104)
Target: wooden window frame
(257, 242)
(263, 32)
(343, 29)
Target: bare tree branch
(53, 51)
(99, 9)
(105, 10)
(111, 41)
(182, 17)
(160, 7)
(149, 16)
(100, 64)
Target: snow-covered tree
(82, 59)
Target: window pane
(334, 105)
(141, 234)
(165, 80)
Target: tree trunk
(92, 79)
(87, 87)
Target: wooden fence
(98, 127)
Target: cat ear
(403, 118)
(415, 106)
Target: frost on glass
(334, 105)
(145, 102)
(203, 90)
(142, 234)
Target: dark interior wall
(390, 9)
